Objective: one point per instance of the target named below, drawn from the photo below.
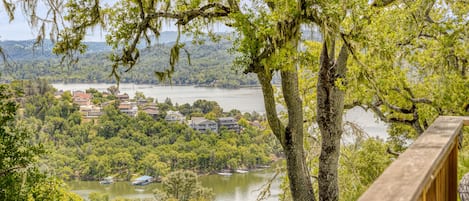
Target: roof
(200, 120)
(123, 96)
(226, 118)
(125, 106)
(82, 95)
(151, 111)
(170, 112)
(150, 107)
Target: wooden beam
(407, 177)
(466, 121)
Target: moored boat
(225, 173)
(240, 171)
(143, 180)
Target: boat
(226, 174)
(143, 180)
(240, 171)
(107, 180)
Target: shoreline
(159, 85)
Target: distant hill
(211, 64)
(26, 50)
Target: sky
(16, 30)
(19, 29)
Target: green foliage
(410, 75)
(206, 107)
(361, 163)
(118, 145)
(410, 65)
(463, 156)
(183, 186)
(51, 189)
(17, 153)
(20, 178)
(95, 196)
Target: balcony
(427, 170)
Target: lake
(238, 187)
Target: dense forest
(210, 65)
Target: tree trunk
(298, 173)
(291, 136)
(330, 100)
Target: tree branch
(389, 151)
(186, 16)
(380, 114)
(265, 77)
(5, 172)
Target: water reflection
(238, 187)
(115, 190)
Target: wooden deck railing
(427, 170)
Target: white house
(203, 125)
(229, 123)
(174, 116)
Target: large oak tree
(268, 38)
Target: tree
(418, 72)
(113, 90)
(261, 41)
(268, 39)
(183, 186)
(51, 189)
(139, 96)
(94, 196)
(20, 178)
(16, 153)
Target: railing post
(453, 173)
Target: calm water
(238, 187)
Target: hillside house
(229, 123)
(174, 116)
(142, 101)
(129, 108)
(123, 97)
(152, 111)
(91, 111)
(81, 98)
(203, 125)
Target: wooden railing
(427, 170)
